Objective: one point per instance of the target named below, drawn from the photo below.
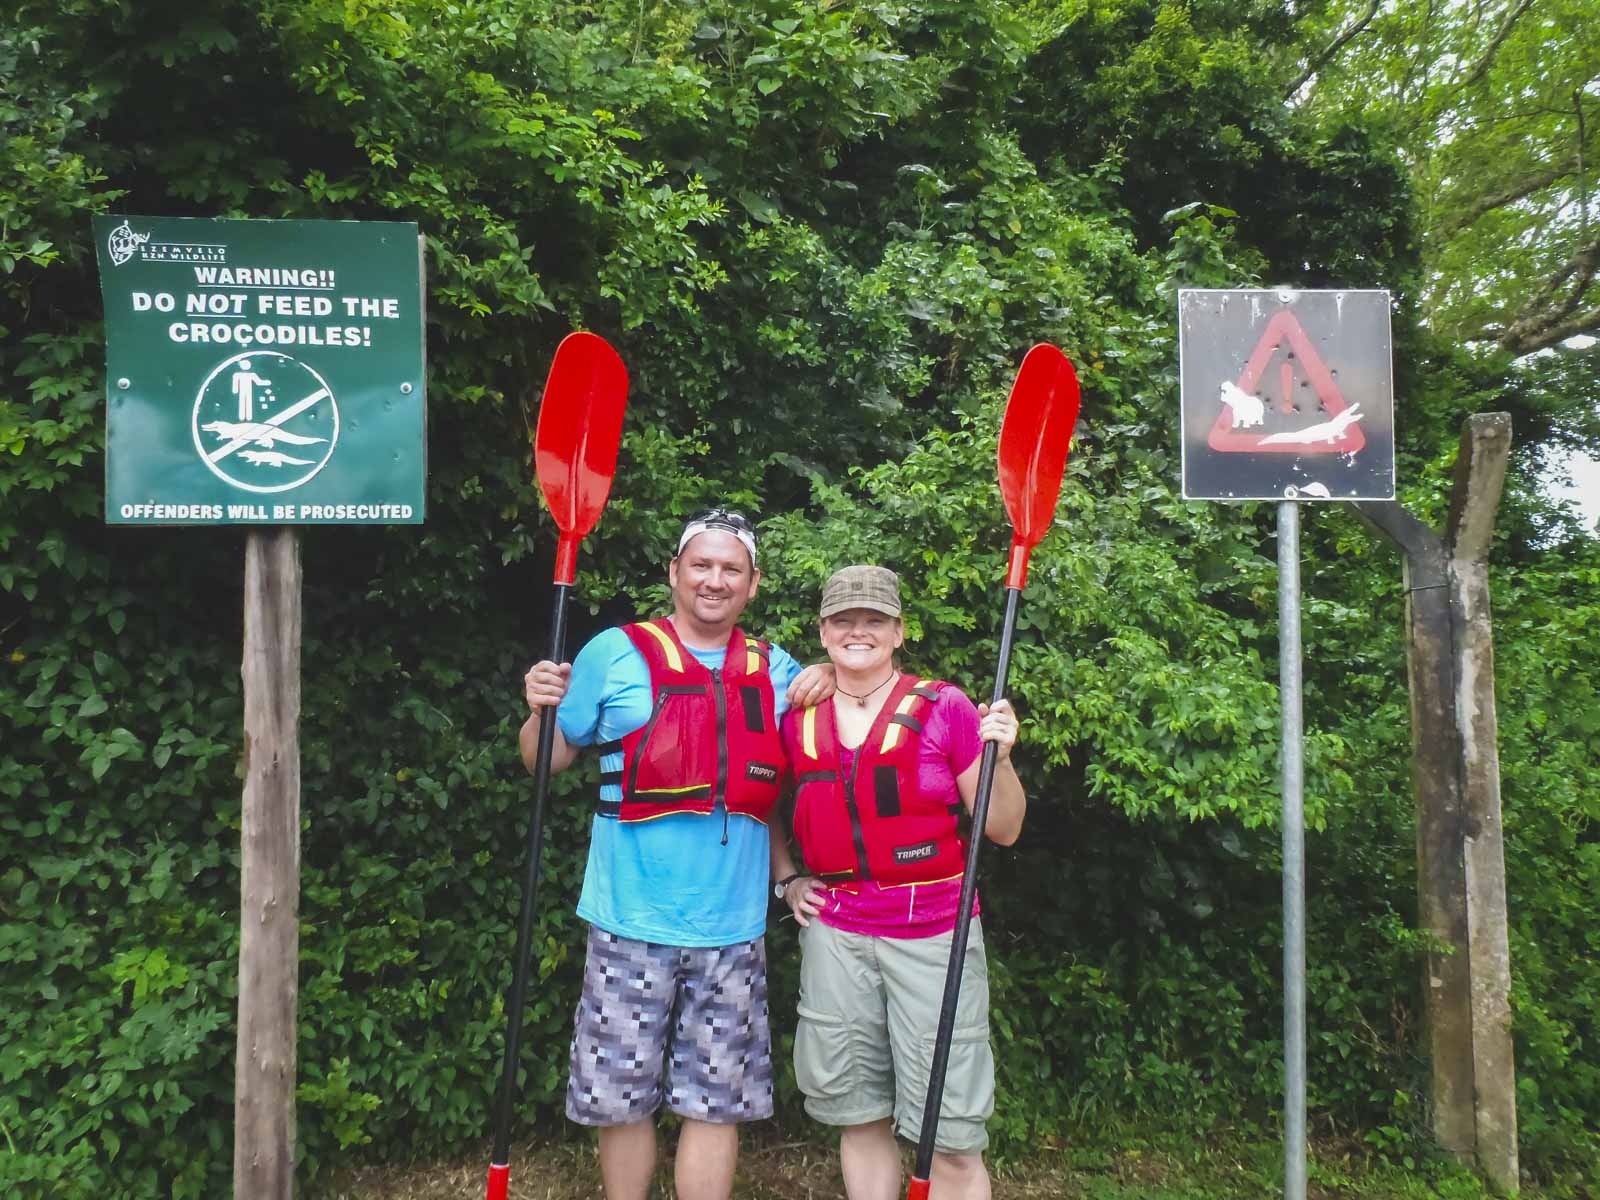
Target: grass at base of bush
(1129, 1165)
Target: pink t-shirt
(948, 746)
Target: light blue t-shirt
(670, 880)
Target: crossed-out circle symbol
(264, 422)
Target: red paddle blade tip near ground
(575, 445)
(1034, 439)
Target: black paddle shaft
(530, 891)
(969, 892)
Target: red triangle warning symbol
(1237, 425)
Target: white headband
(695, 528)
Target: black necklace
(861, 700)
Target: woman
(881, 771)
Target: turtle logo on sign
(123, 242)
(265, 422)
(1239, 428)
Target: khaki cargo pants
(869, 1011)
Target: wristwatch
(782, 885)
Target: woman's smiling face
(861, 641)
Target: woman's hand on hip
(805, 897)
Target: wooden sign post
(269, 912)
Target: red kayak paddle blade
(1034, 440)
(575, 446)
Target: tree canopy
(1496, 108)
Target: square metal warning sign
(1286, 394)
(263, 372)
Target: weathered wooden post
(1481, 472)
(269, 913)
(1455, 771)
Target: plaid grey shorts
(699, 1013)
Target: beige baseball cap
(877, 588)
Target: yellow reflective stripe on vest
(891, 735)
(674, 659)
(808, 733)
(752, 658)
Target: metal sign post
(267, 374)
(1294, 854)
(1287, 396)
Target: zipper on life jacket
(851, 807)
(722, 750)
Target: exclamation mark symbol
(327, 279)
(1286, 384)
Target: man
(684, 711)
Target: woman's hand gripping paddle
(575, 458)
(1034, 440)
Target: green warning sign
(263, 371)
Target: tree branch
(1587, 321)
(1543, 323)
(1583, 181)
(1478, 69)
(1582, 264)
(1322, 60)
(1509, 194)
(1416, 62)
(1428, 112)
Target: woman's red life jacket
(712, 738)
(873, 822)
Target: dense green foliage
(821, 236)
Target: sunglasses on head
(724, 518)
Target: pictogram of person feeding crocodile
(265, 422)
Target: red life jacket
(873, 822)
(712, 737)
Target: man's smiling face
(712, 581)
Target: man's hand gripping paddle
(575, 458)
(1034, 440)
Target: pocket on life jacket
(677, 756)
